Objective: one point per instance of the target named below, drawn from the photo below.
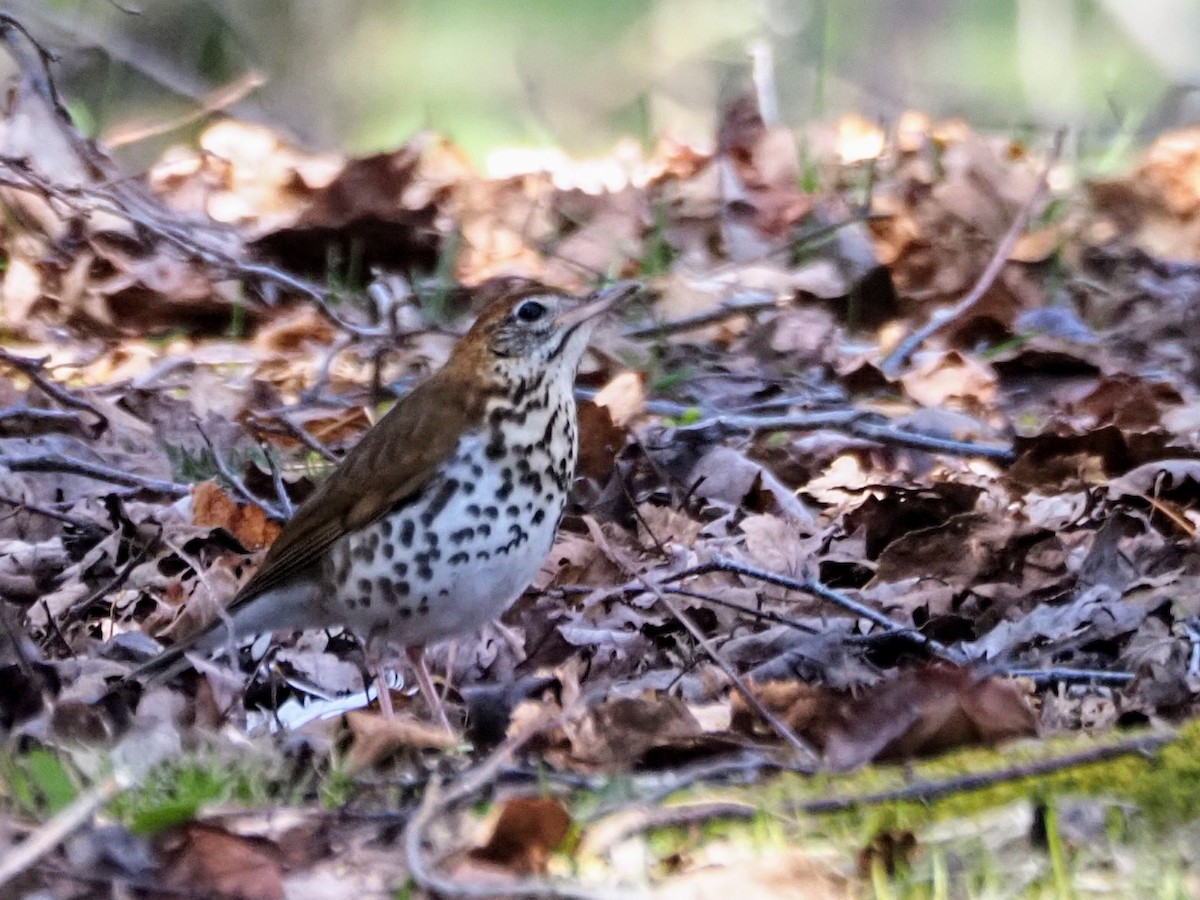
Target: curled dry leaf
(777, 545)
(1154, 479)
(653, 729)
(916, 713)
(210, 861)
(377, 738)
(728, 476)
(938, 380)
(213, 508)
(526, 832)
(600, 439)
(624, 397)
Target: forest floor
(879, 577)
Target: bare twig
(765, 615)
(857, 422)
(817, 588)
(57, 462)
(300, 433)
(33, 370)
(940, 319)
(74, 521)
(1075, 676)
(860, 424)
(215, 101)
(747, 304)
(27, 421)
(439, 799)
(60, 827)
(885, 434)
(777, 725)
(239, 486)
(281, 494)
(629, 822)
(81, 609)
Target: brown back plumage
(397, 458)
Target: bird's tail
(174, 659)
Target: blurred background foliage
(363, 75)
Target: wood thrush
(444, 512)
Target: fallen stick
(943, 317)
(67, 465)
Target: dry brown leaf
(789, 874)
(599, 441)
(376, 737)
(526, 832)
(210, 861)
(213, 508)
(777, 545)
(940, 379)
(624, 397)
(923, 712)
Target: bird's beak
(597, 304)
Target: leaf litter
(774, 542)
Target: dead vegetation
(903, 464)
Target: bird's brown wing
(392, 463)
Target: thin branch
(886, 434)
(1073, 676)
(46, 512)
(439, 799)
(858, 423)
(764, 614)
(813, 586)
(625, 826)
(293, 429)
(746, 304)
(67, 465)
(940, 319)
(797, 743)
(81, 609)
(281, 494)
(239, 486)
(27, 421)
(33, 370)
(65, 823)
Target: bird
(440, 517)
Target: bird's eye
(530, 311)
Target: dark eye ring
(530, 311)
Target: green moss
(36, 784)
(1164, 787)
(176, 792)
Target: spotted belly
(453, 559)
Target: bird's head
(534, 329)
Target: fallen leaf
(624, 397)
(210, 861)
(924, 712)
(784, 874)
(376, 738)
(213, 508)
(527, 831)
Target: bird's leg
(416, 656)
(385, 693)
(375, 655)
